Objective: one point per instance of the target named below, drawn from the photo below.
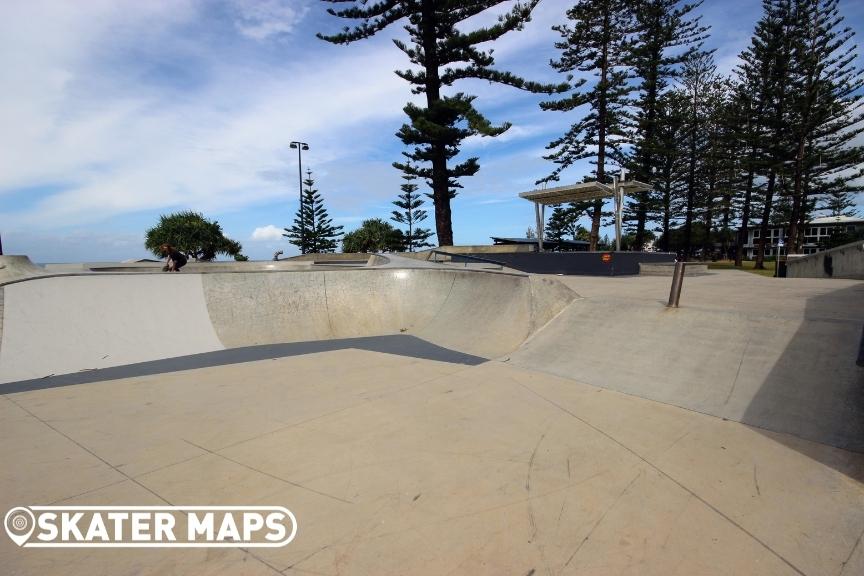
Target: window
(756, 233)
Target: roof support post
(540, 216)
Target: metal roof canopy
(570, 193)
(579, 193)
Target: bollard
(677, 281)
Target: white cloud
(269, 233)
(116, 144)
(261, 19)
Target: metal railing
(467, 259)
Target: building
(816, 233)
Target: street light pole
(300, 146)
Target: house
(816, 233)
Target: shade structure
(570, 193)
(580, 193)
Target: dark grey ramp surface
(399, 344)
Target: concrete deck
(546, 459)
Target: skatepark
(435, 418)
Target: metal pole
(617, 213)
(677, 282)
(302, 215)
(542, 231)
(300, 147)
(538, 219)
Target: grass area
(746, 265)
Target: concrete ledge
(18, 268)
(845, 261)
(667, 268)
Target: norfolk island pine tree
(313, 230)
(443, 55)
(411, 213)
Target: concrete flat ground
(398, 465)
(531, 463)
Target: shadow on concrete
(815, 391)
(401, 345)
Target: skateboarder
(176, 259)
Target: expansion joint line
(671, 478)
(82, 447)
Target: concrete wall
(65, 324)
(668, 268)
(477, 313)
(845, 261)
(488, 249)
(576, 263)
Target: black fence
(571, 263)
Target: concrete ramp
(14, 268)
(68, 324)
(476, 313)
(64, 324)
(785, 361)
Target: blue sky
(115, 111)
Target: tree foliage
(313, 231)
(444, 49)
(410, 213)
(806, 93)
(774, 144)
(193, 235)
(374, 235)
(597, 40)
(666, 36)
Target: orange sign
(606, 258)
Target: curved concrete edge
(473, 312)
(549, 298)
(790, 374)
(16, 268)
(94, 321)
(485, 314)
(59, 325)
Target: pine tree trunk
(601, 135)
(440, 181)
(745, 218)
(667, 212)
(648, 137)
(441, 197)
(803, 213)
(763, 227)
(707, 245)
(794, 246)
(691, 177)
(691, 198)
